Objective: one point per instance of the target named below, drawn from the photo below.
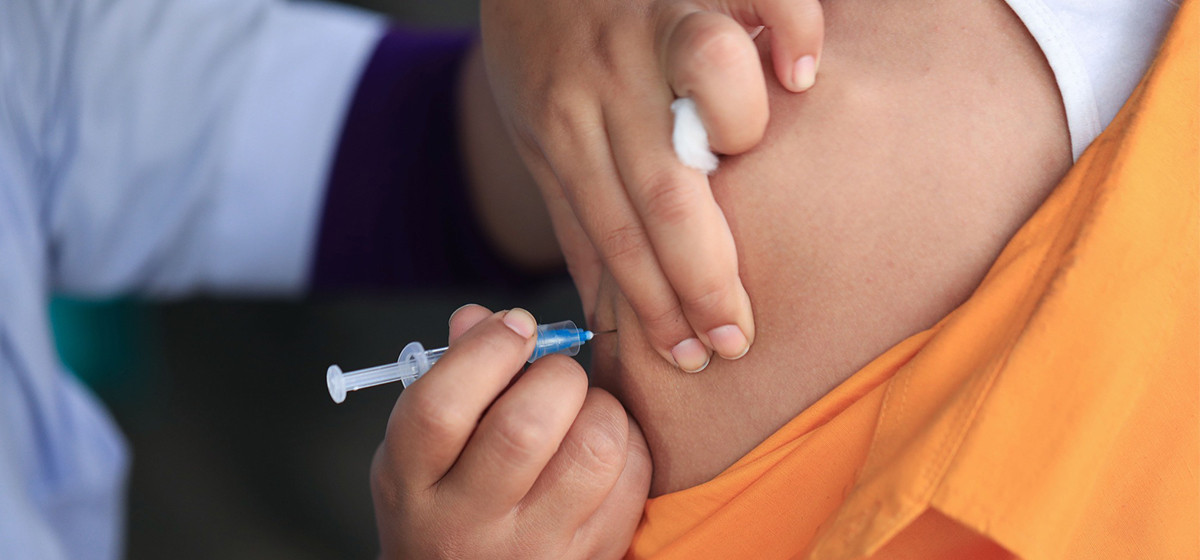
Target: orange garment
(1052, 415)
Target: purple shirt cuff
(396, 211)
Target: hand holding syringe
(488, 448)
(554, 338)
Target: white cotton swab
(690, 138)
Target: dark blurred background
(238, 452)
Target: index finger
(686, 227)
(435, 416)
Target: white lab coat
(150, 146)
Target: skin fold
(874, 206)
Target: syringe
(553, 338)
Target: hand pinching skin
(481, 460)
(585, 89)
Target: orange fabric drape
(1052, 415)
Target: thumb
(710, 58)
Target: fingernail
(521, 322)
(804, 75)
(729, 341)
(690, 355)
(451, 320)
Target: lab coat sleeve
(186, 144)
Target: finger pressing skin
(434, 417)
(516, 438)
(691, 238)
(797, 32)
(584, 167)
(711, 59)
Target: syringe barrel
(562, 337)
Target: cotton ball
(690, 138)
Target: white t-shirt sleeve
(187, 143)
(1098, 50)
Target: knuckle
(713, 46)
(432, 417)
(665, 325)
(708, 298)
(811, 14)
(601, 455)
(718, 48)
(624, 243)
(660, 318)
(559, 116)
(519, 436)
(665, 198)
(608, 40)
(601, 449)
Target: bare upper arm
(873, 207)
